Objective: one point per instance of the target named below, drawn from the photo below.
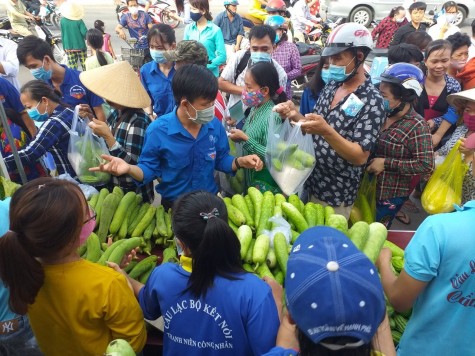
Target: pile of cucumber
(130, 224)
(249, 217)
(397, 320)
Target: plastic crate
(134, 56)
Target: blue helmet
(230, 2)
(407, 76)
(276, 22)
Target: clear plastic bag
(230, 185)
(85, 150)
(444, 188)
(290, 156)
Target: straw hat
(117, 83)
(72, 10)
(458, 100)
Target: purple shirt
(287, 55)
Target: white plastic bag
(290, 156)
(84, 152)
(280, 225)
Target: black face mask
(196, 16)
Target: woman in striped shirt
(262, 91)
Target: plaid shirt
(287, 55)
(385, 31)
(130, 135)
(52, 137)
(407, 148)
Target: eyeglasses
(92, 215)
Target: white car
(365, 11)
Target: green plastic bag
(364, 208)
(444, 188)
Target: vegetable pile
(397, 320)
(131, 225)
(254, 218)
(265, 248)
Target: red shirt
(385, 31)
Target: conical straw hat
(72, 10)
(117, 83)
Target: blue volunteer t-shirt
(5, 312)
(442, 253)
(184, 163)
(237, 317)
(74, 92)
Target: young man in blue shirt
(230, 23)
(185, 147)
(37, 56)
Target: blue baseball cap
(333, 289)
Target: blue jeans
(23, 341)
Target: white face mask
(451, 18)
(400, 20)
(133, 10)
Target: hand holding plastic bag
(85, 150)
(444, 188)
(290, 156)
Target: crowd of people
(169, 122)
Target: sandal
(403, 218)
(410, 207)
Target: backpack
(242, 64)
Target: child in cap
(334, 298)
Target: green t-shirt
(73, 34)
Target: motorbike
(320, 35)
(309, 66)
(161, 11)
(43, 32)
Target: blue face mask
(41, 74)
(157, 56)
(35, 114)
(325, 75)
(179, 249)
(260, 57)
(277, 38)
(338, 73)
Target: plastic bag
(279, 224)
(444, 188)
(290, 156)
(85, 150)
(230, 185)
(364, 208)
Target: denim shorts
(21, 341)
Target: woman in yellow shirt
(75, 307)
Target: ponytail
(20, 271)
(101, 58)
(42, 228)
(200, 221)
